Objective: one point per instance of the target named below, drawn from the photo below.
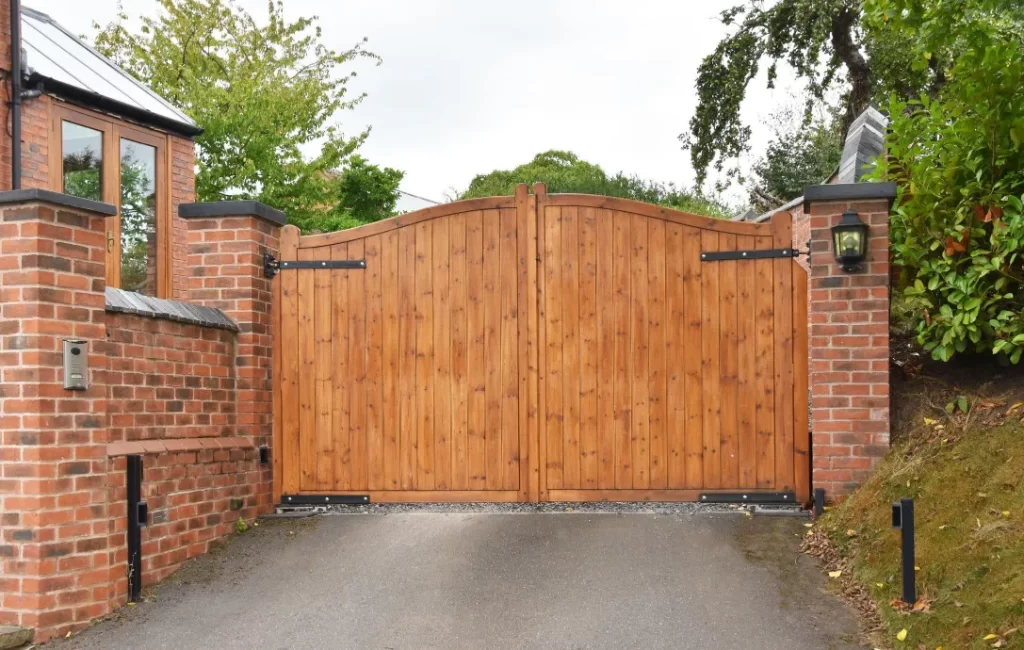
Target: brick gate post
(56, 566)
(227, 242)
(849, 338)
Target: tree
(958, 159)
(564, 172)
(361, 193)
(828, 46)
(260, 92)
(799, 154)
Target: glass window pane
(82, 149)
(138, 217)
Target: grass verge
(968, 487)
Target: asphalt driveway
(476, 580)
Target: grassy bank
(965, 471)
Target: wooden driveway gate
(541, 348)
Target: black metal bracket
(721, 256)
(323, 499)
(286, 265)
(774, 498)
(819, 502)
(270, 266)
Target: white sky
(468, 86)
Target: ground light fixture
(850, 241)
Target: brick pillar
(849, 339)
(55, 530)
(227, 242)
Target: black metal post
(819, 502)
(907, 541)
(15, 94)
(136, 507)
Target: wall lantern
(850, 241)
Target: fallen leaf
(1014, 407)
(880, 585)
(852, 533)
(901, 635)
(982, 495)
(808, 525)
(989, 637)
(957, 603)
(834, 574)
(929, 422)
(921, 606)
(68, 635)
(1006, 513)
(917, 568)
(943, 527)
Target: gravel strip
(686, 508)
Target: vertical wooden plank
(307, 376)
(408, 441)
(529, 394)
(729, 355)
(442, 357)
(424, 356)
(540, 208)
(392, 360)
(675, 355)
(342, 389)
(589, 367)
(746, 282)
(459, 350)
(477, 369)
(606, 303)
(374, 366)
(711, 361)
(570, 349)
(509, 350)
(277, 382)
(552, 220)
(801, 428)
(657, 353)
(782, 233)
(694, 377)
(356, 304)
(764, 361)
(322, 346)
(622, 256)
(494, 257)
(640, 345)
(290, 450)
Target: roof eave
(112, 105)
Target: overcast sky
(468, 86)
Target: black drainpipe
(15, 94)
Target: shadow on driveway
(429, 580)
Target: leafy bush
(958, 158)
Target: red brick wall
(193, 401)
(182, 175)
(168, 379)
(849, 342)
(55, 530)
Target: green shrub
(958, 224)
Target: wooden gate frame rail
(529, 206)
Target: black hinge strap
(719, 256)
(285, 265)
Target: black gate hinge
(721, 256)
(270, 266)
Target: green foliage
(261, 92)
(799, 154)
(564, 172)
(361, 193)
(958, 226)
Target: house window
(107, 160)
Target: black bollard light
(819, 502)
(903, 520)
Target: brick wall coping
(232, 209)
(129, 302)
(848, 192)
(176, 445)
(57, 199)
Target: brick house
(103, 251)
(96, 246)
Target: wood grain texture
(542, 348)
